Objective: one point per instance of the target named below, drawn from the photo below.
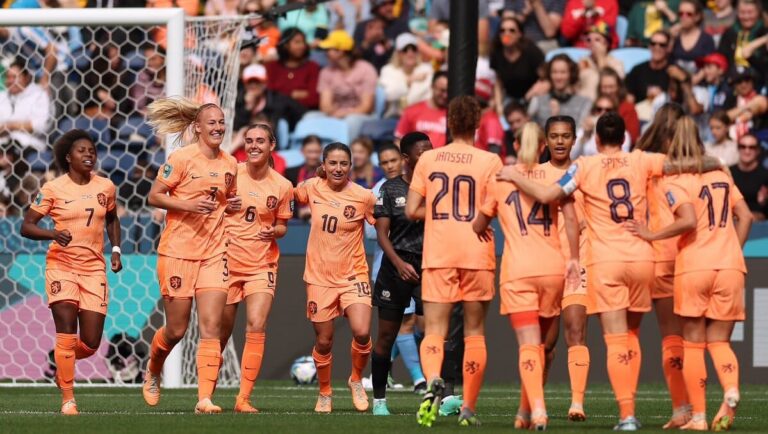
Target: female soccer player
(336, 272)
(252, 251)
(657, 139)
(709, 272)
(531, 288)
(446, 191)
(196, 186)
(81, 205)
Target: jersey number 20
(455, 208)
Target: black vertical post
(462, 49)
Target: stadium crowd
(378, 68)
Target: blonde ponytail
(686, 144)
(530, 143)
(174, 115)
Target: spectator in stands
(713, 68)
(751, 177)
(516, 116)
(612, 86)
(261, 31)
(693, 99)
(312, 20)
(24, 112)
(751, 110)
(541, 19)
(347, 13)
(516, 61)
(581, 15)
(428, 116)
(585, 135)
(311, 149)
(395, 21)
(648, 17)
(744, 44)
(692, 42)
(347, 86)
(563, 76)
(364, 173)
(490, 134)
(649, 79)
(719, 19)
(375, 47)
(599, 43)
(150, 84)
(440, 12)
(222, 8)
(721, 145)
(294, 74)
(406, 79)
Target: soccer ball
(303, 370)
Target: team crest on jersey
(175, 282)
(400, 202)
(228, 178)
(271, 202)
(55, 287)
(349, 211)
(311, 308)
(102, 198)
(167, 169)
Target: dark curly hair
(64, 144)
(463, 116)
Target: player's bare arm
(273, 232)
(743, 217)
(542, 193)
(30, 229)
(685, 220)
(690, 165)
(159, 198)
(113, 233)
(414, 206)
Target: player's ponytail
(531, 143)
(686, 144)
(174, 115)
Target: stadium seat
(631, 57)
(97, 128)
(40, 161)
(380, 104)
(622, 26)
(379, 130)
(283, 134)
(574, 53)
(327, 128)
(293, 157)
(135, 125)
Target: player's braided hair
(64, 144)
(175, 115)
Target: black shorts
(392, 292)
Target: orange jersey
(714, 244)
(82, 210)
(264, 202)
(614, 187)
(191, 176)
(660, 216)
(335, 251)
(530, 228)
(578, 203)
(453, 180)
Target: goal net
(61, 73)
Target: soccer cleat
(697, 423)
(380, 407)
(629, 423)
(522, 421)
(430, 405)
(680, 417)
(69, 408)
(205, 406)
(727, 413)
(368, 383)
(359, 398)
(244, 406)
(576, 413)
(451, 405)
(151, 389)
(324, 404)
(468, 417)
(420, 388)
(539, 421)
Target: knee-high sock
(158, 352)
(380, 366)
(672, 364)
(323, 363)
(208, 362)
(475, 358)
(360, 354)
(64, 354)
(620, 373)
(726, 364)
(531, 367)
(410, 353)
(578, 370)
(695, 375)
(253, 353)
(431, 355)
(636, 357)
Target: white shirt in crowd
(586, 146)
(33, 105)
(399, 94)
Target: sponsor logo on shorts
(400, 202)
(271, 202)
(55, 287)
(385, 294)
(228, 178)
(175, 282)
(311, 308)
(102, 198)
(349, 211)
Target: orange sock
(672, 363)
(635, 357)
(431, 354)
(360, 355)
(64, 355)
(83, 351)
(253, 352)
(695, 375)
(525, 404)
(726, 364)
(532, 375)
(158, 352)
(208, 362)
(578, 370)
(323, 364)
(475, 358)
(620, 373)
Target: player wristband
(116, 249)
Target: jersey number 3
(445, 181)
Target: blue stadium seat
(327, 128)
(622, 26)
(631, 57)
(283, 134)
(293, 157)
(135, 125)
(40, 161)
(574, 53)
(380, 103)
(97, 128)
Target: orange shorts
(451, 285)
(325, 303)
(88, 292)
(181, 278)
(620, 285)
(243, 285)
(663, 283)
(540, 293)
(576, 295)
(714, 294)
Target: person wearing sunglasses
(751, 177)
(649, 79)
(406, 79)
(580, 15)
(691, 42)
(516, 61)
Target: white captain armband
(568, 181)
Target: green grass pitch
(288, 409)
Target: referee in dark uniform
(399, 277)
